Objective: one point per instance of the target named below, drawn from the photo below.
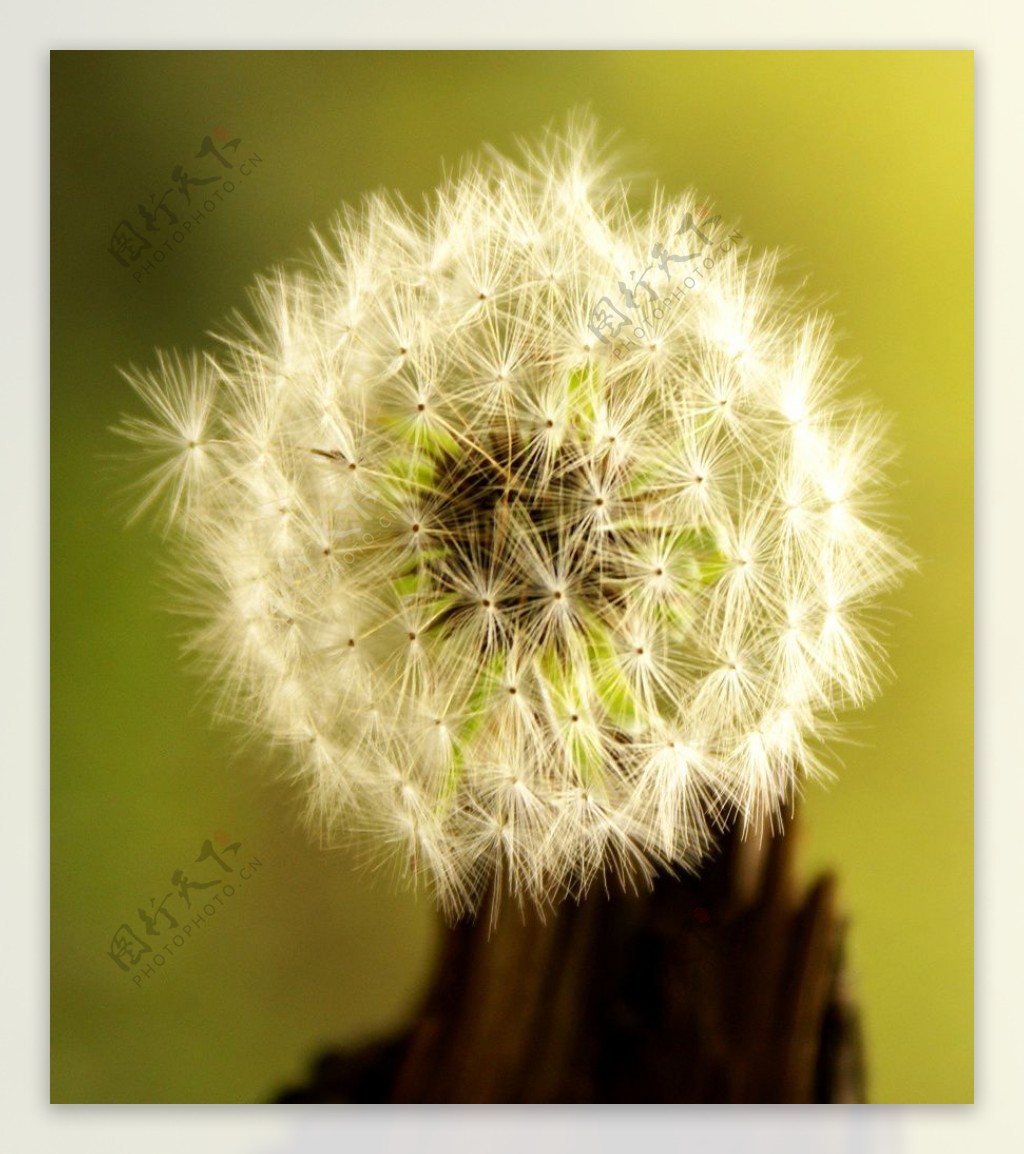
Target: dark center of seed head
(484, 501)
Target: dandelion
(536, 577)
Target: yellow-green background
(859, 163)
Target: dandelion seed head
(528, 599)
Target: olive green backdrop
(860, 164)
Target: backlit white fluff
(532, 590)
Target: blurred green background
(859, 163)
